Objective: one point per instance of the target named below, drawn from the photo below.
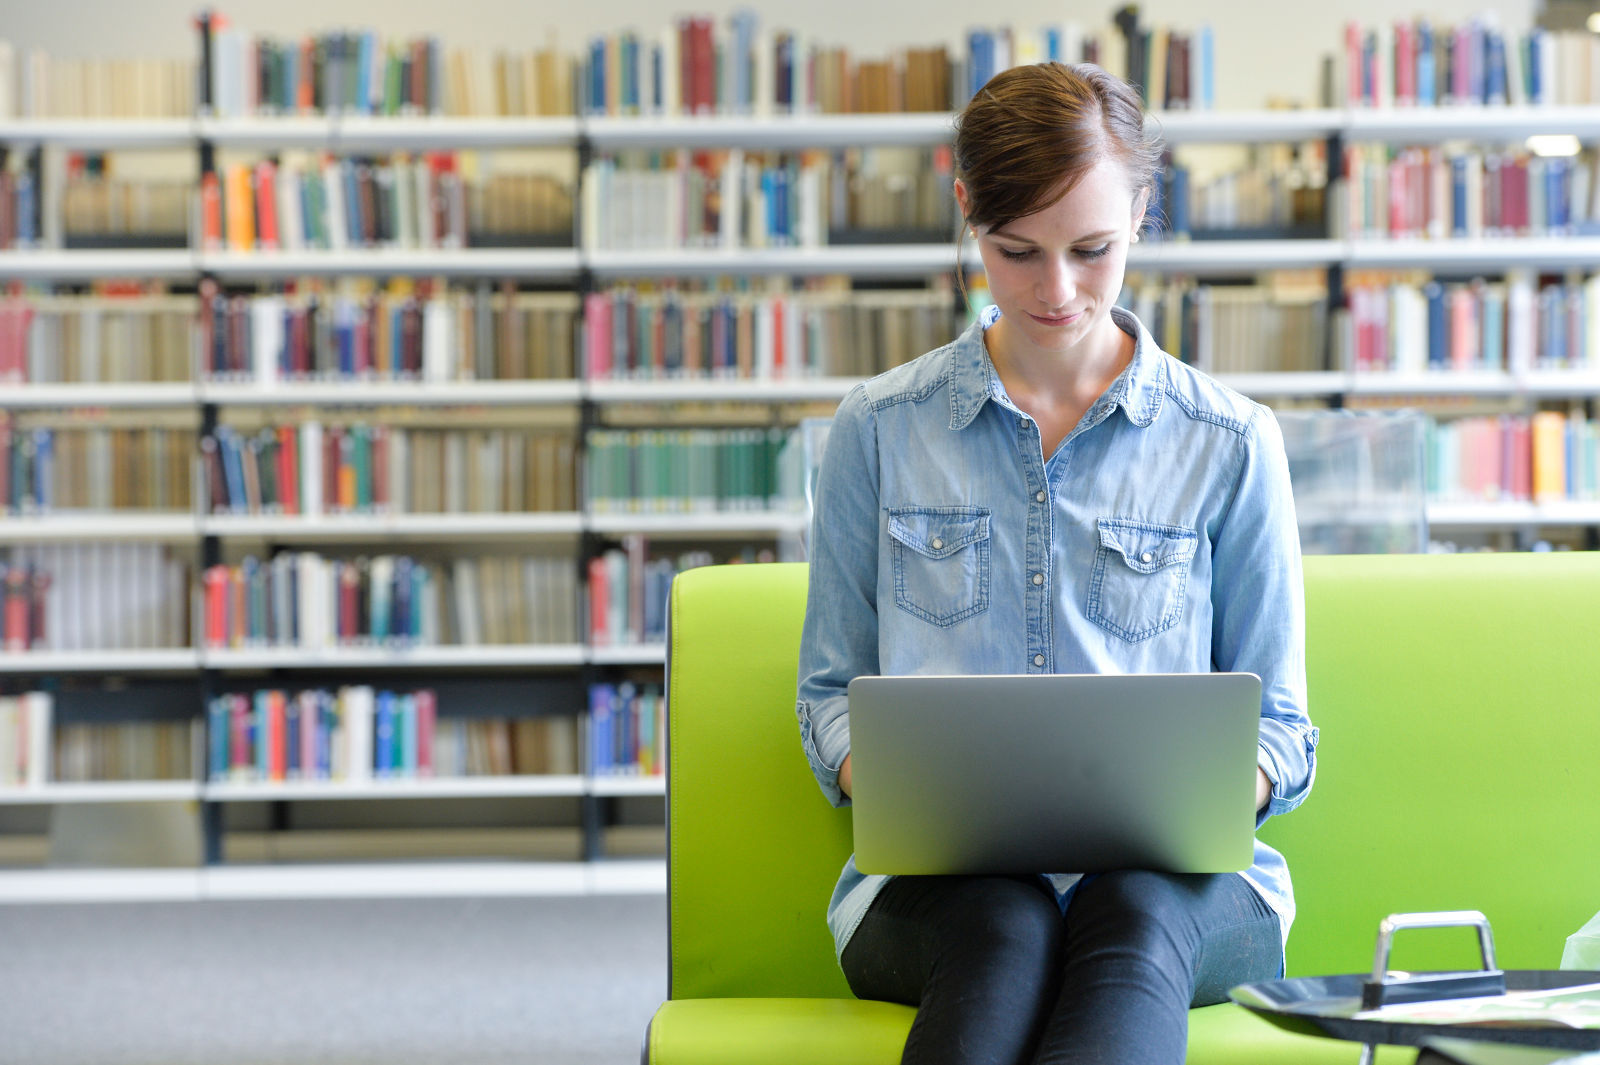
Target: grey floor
(564, 981)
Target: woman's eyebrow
(1008, 235)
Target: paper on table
(1562, 1007)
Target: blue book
(976, 65)
(1208, 70)
(1495, 89)
(744, 35)
(383, 738)
(327, 711)
(44, 467)
(672, 328)
(27, 210)
(782, 186)
(628, 56)
(783, 75)
(596, 103)
(408, 735)
(292, 724)
(1557, 198)
(1458, 196)
(232, 467)
(354, 214)
(1477, 80)
(600, 696)
(399, 624)
(1052, 45)
(1556, 336)
(258, 734)
(435, 83)
(1177, 200)
(1427, 74)
(291, 78)
(1494, 328)
(364, 46)
(1438, 325)
(1532, 48)
(625, 755)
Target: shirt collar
(1137, 390)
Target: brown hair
(1030, 134)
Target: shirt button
(1038, 578)
(1146, 557)
(1038, 660)
(1039, 496)
(938, 543)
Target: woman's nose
(1057, 287)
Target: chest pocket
(940, 558)
(1141, 574)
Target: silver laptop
(1062, 773)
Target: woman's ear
(1140, 203)
(961, 197)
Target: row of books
(627, 730)
(1277, 326)
(122, 334)
(1421, 63)
(96, 205)
(1408, 325)
(304, 599)
(627, 592)
(124, 751)
(1440, 194)
(93, 597)
(35, 84)
(361, 72)
(760, 330)
(50, 470)
(354, 330)
(25, 739)
(312, 468)
(364, 202)
(357, 734)
(1280, 189)
(21, 208)
(1543, 458)
(686, 470)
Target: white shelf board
(1560, 383)
(616, 786)
(1434, 383)
(771, 131)
(912, 260)
(434, 788)
(1239, 257)
(167, 661)
(103, 791)
(100, 134)
(718, 523)
(640, 654)
(1234, 127)
(391, 393)
(363, 880)
(369, 527)
(528, 655)
(1490, 255)
(711, 390)
(352, 132)
(1468, 122)
(111, 396)
(41, 265)
(1327, 383)
(100, 525)
(552, 263)
(1511, 515)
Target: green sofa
(1459, 769)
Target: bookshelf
(582, 533)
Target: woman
(1051, 493)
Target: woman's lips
(1065, 319)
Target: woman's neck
(1071, 378)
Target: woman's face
(1055, 274)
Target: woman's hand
(844, 776)
(1263, 785)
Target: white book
(266, 334)
(765, 78)
(793, 337)
(671, 81)
(1030, 47)
(399, 471)
(427, 235)
(429, 629)
(405, 212)
(335, 217)
(535, 600)
(732, 198)
(311, 469)
(1547, 68)
(1516, 70)
(40, 710)
(291, 219)
(13, 741)
(766, 341)
(381, 584)
(455, 473)
(356, 711)
(589, 209)
(812, 233)
(438, 329)
(468, 603)
(1591, 321)
(9, 97)
(1521, 322)
(53, 183)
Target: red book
(599, 596)
(686, 65)
(311, 726)
(266, 182)
(427, 714)
(349, 602)
(379, 467)
(305, 92)
(216, 592)
(277, 736)
(1352, 64)
(330, 470)
(705, 68)
(418, 96)
(779, 356)
(289, 468)
(597, 335)
(210, 212)
(38, 592)
(241, 757)
(1405, 64)
(16, 609)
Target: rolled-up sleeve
(1258, 610)
(840, 638)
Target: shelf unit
(582, 267)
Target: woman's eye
(1093, 253)
(1016, 255)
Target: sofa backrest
(1459, 769)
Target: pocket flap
(1147, 547)
(939, 532)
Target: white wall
(1266, 48)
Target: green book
(361, 443)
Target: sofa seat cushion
(807, 1031)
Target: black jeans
(1000, 976)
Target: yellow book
(1156, 70)
(1549, 456)
(240, 208)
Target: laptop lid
(1054, 773)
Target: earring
(1135, 239)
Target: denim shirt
(1160, 537)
